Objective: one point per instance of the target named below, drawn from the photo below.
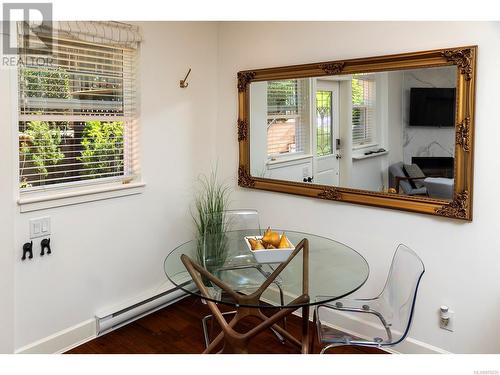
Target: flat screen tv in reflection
(432, 107)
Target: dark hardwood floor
(176, 329)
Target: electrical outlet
(39, 227)
(446, 319)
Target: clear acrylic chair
(231, 220)
(389, 314)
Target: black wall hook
(45, 244)
(27, 249)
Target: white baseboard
(79, 334)
(71, 337)
(62, 341)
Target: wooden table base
(235, 342)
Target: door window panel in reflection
(323, 123)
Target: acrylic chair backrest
(215, 240)
(400, 291)
(242, 220)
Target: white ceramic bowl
(269, 255)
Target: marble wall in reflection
(427, 141)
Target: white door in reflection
(325, 132)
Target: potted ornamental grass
(211, 202)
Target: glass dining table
(319, 270)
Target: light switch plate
(39, 227)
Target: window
(76, 112)
(324, 123)
(363, 110)
(287, 117)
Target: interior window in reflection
(363, 110)
(287, 118)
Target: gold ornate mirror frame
(465, 60)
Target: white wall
(91, 269)
(395, 117)
(462, 259)
(258, 130)
(6, 214)
(108, 251)
(368, 174)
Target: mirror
(391, 131)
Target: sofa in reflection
(409, 179)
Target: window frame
(74, 192)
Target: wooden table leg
(305, 291)
(235, 342)
(305, 330)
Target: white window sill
(363, 156)
(289, 161)
(285, 159)
(34, 201)
(365, 146)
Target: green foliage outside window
(357, 92)
(282, 97)
(41, 146)
(49, 83)
(359, 111)
(41, 140)
(103, 148)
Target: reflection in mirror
(384, 132)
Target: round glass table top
(335, 270)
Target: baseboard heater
(113, 318)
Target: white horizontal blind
(363, 110)
(287, 117)
(77, 111)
